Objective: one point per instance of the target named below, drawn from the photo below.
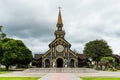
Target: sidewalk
(99, 74)
(22, 74)
(60, 76)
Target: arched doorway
(59, 62)
(72, 61)
(47, 63)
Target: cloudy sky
(34, 22)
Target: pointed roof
(59, 22)
(60, 39)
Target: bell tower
(59, 32)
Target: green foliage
(99, 78)
(0, 28)
(3, 35)
(1, 51)
(5, 72)
(19, 78)
(107, 59)
(97, 49)
(109, 63)
(15, 53)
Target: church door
(59, 62)
(47, 63)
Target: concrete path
(22, 74)
(99, 74)
(60, 76)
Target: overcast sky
(34, 22)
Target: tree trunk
(7, 67)
(97, 65)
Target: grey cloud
(84, 20)
(26, 30)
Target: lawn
(5, 72)
(19, 78)
(98, 78)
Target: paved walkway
(99, 74)
(60, 76)
(22, 74)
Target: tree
(15, 52)
(24, 53)
(97, 49)
(2, 35)
(0, 28)
(0, 51)
(108, 62)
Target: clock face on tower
(59, 48)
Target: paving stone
(60, 76)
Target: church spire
(59, 22)
(59, 32)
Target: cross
(59, 8)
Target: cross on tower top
(59, 22)
(59, 8)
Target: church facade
(59, 53)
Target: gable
(59, 40)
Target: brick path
(60, 76)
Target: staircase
(60, 70)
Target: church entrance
(59, 62)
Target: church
(59, 54)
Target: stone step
(60, 70)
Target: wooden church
(59, 54)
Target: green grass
(5, 72)
(99, 78)
(19, 78)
